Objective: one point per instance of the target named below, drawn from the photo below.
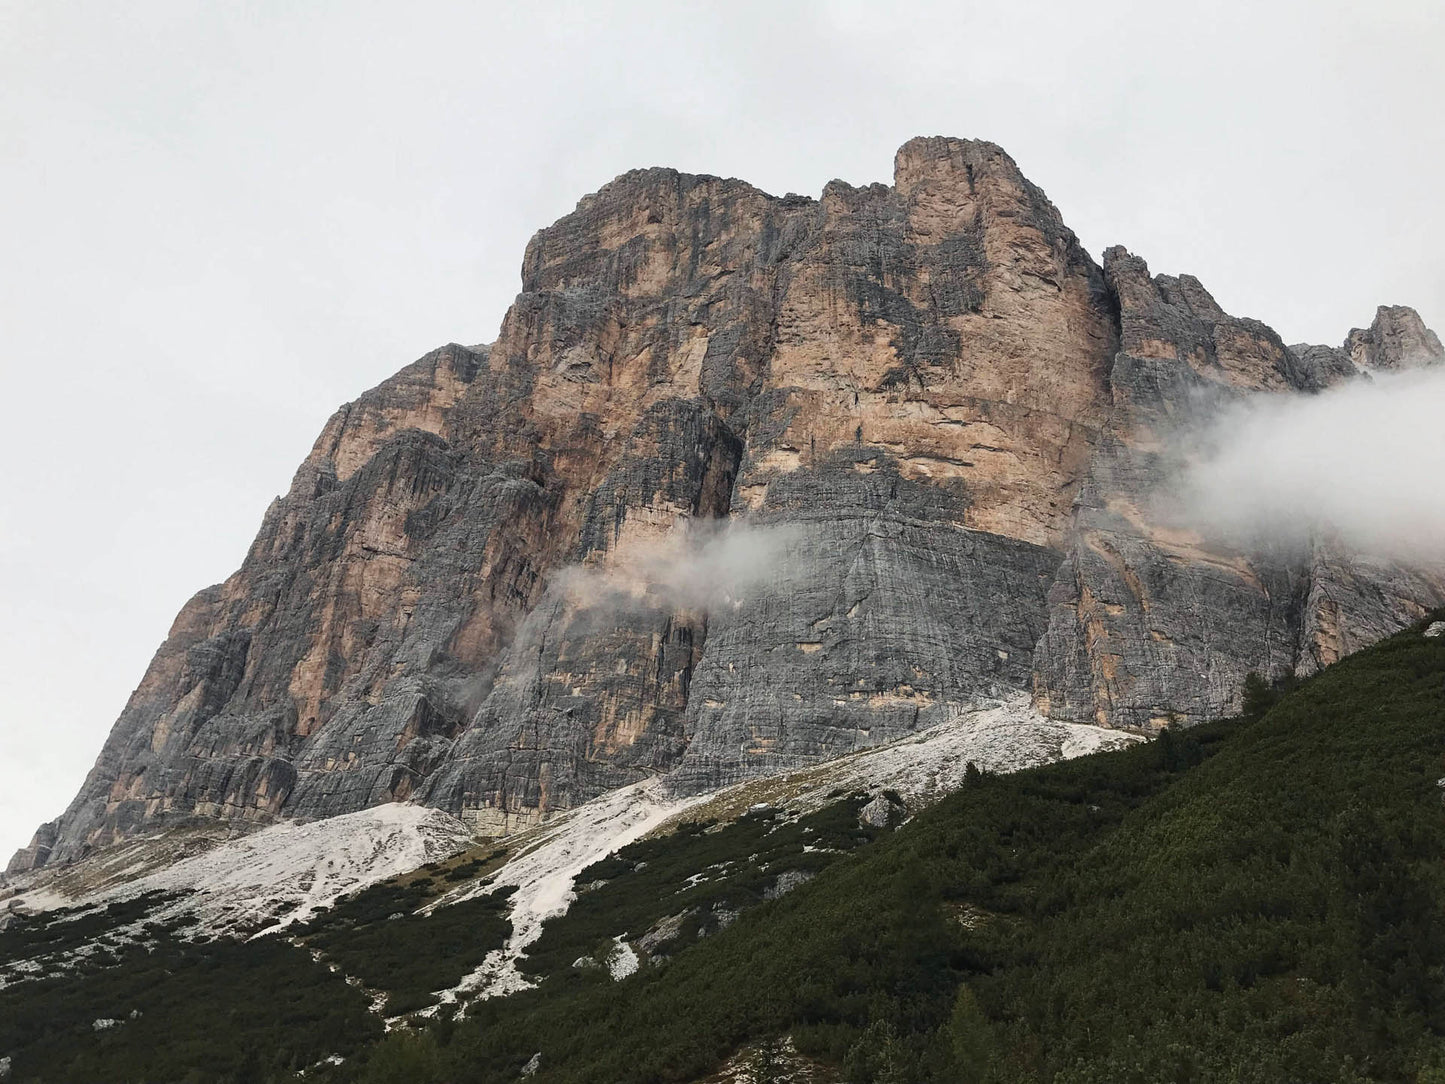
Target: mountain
(1256, 899)
(744, 484)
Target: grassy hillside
(1256, 900)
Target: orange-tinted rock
(947, 412)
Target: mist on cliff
(687, 564)
(1363, 462)
(698, 564)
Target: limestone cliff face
(1150, 625)
(951, 414)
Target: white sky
(220, 221)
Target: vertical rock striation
(955, 421)
(1149, 623)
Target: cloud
(1364, 461)
(700, 564)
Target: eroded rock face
(1150, 625)
(1397, 339)
(952, 414)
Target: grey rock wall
(953, 417)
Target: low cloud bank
(1364, 461)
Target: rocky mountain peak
(932, 400)
(419, 397)
(1396, 339)
(950, 161)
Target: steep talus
(952, 416)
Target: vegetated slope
(1261, 900)
(1255, 900)
(129, 992)
(163, 1008)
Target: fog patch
(698, 564)
(1363, 462)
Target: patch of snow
(547, 867)
(291, 870)
(623, 961)
(330, 1059)
(998, 736)
(103, 1023)
(705, 874)
(1437, 628)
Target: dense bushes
(377, 937)
(226, 1010)
(184, 1011)
(1261, 900)
(704, 874)
(1250, 901)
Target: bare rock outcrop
(1152, 625)
(952, 414)
(1397, 339)
(1148, 624)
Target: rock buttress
(1150, 624)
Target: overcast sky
(220, 221)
